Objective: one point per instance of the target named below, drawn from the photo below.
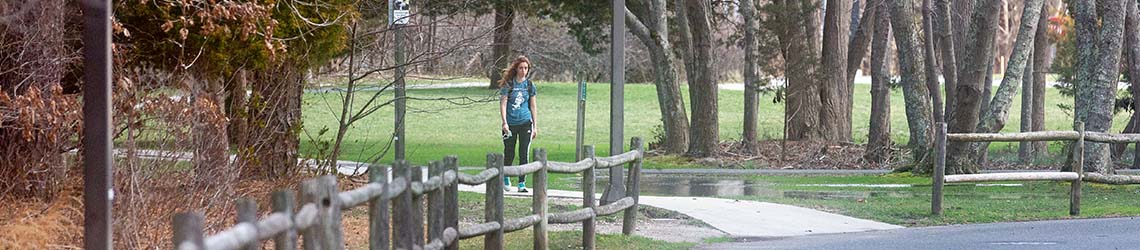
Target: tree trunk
(1132, 42)
(972, 73)
(501, 48)
(1098, 70)
(833, 91)
(931, 60)
(1025, 148)
(801, 47)
(1042, 61)
(879, 135)
(946, 43)
(751, 79)
(994, 119)
(704, 132)
(962, 14)
(669, 99)
(276, 109)
(916, 96)
(211, 148)
(236, 103)
(859, 43)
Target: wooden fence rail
(396, 207)
(1076, 178)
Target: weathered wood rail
(1076, 178)
(397, 214)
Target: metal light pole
(97, 190)
(616, 188)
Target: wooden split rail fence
(397, 214)
(1080, 136)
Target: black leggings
(522, 134)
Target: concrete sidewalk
(741, 218)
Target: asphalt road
(1111, 233)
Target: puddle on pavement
(720, 186)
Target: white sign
(400, 11)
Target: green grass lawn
(962, 203)
(439, 128)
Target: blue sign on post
(582, 90)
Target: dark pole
(97, 192)
(616, 188)
(401, 108)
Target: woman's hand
(506, 128)
(533, 132)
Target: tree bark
(857, 50)
(879, 135)
(704, 132)
(972, 73)
(833, 91)
(211, 147)
(1098, 71)
(962, 14)
(1042, 61)
(946, 43)
(1132, 42)
(801, 47)
(916, 96)
(275, 107)
(1025, 149)
(751, 79)
(501, 48)
(994, 119)
(931, 60)
(669, 99)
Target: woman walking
(517, 110)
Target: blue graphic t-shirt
(518, 101)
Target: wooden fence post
(283, 202)
(938, 177)
(247, 213)
(326, 233)
(1075, 188)
(417, 206)
(629, 222)
(541, 238)
(378, 227)
(436, 204)
(452, 200)
(403, 224)
(188, 231)
(588, 230)
(494, 204)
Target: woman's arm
(503, 112)
(533, 118)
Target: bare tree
(879, 136)
(1098, 64)
(972, 74)
(501, 48)
(915, 93)
(836, 125)
(994, 119)
(946, 47)
(751, 76)
(1132, 47)
(704, 130)
(648, 21)
(931, 59)
(801, 46)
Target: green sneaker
(522, 187)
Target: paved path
(1110, 233)
(741, 218)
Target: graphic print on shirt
(518, 100)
